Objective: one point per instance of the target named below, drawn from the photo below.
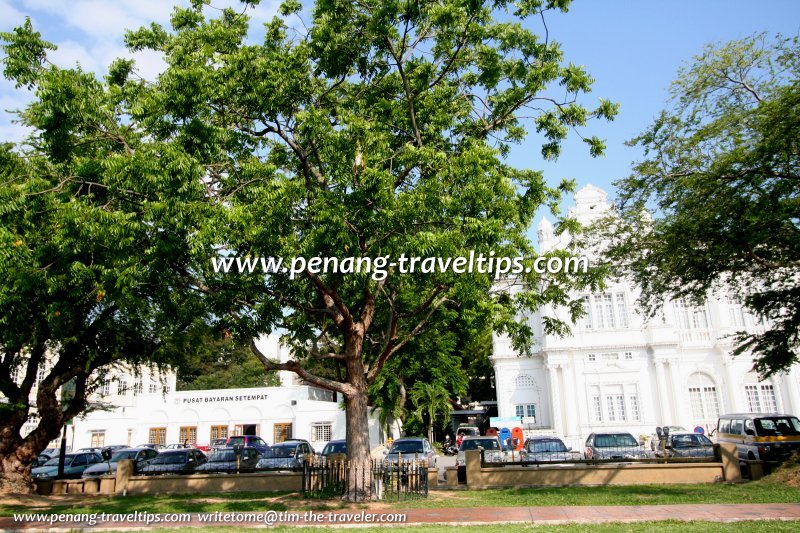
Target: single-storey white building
(141, 407)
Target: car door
(78, 465)
(200, 457)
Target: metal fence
(597, 455)
(377, 480)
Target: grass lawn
(764, 526)
(762, 491)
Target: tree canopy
(376, 128)
(721, 175)
(89, 276)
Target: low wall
(284, 482)
(479, 477)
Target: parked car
(655, 438)
(289, 455)
(409, 448)
(74, 465)
(183, 461)
(151, 445)
(338, 446)
(547, 449)
(218, 443)
(248, 440)
(225, 460)
(93, 449)
(140, 457)
(768, 437)
(685, 444)
(42, 458)
(178, 446)
(466, 431)
(493, 451)
(613, 446)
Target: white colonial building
(142, 406)
(619, 372)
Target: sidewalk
(462, 516)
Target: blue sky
(633, 49)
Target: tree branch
(407, 88)
(294, 366)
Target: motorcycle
(450, 448)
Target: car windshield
(170, 459)
(486, 444)
(778, 426)
(222, 456)
(686, 441)
(280, 452)
(119, 456)
(407, 446)
(542, 446)
(54, 461)
(615, 440)
(467, 431)
(335, 447)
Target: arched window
(524, 381)
(703, 397)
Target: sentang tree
(376, 129)
(371, 129)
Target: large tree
(721, 174)
(93, 232)
(379, 128)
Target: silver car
(547, 449)
(140, 457)
(492, 450)
(289, 455)
(410, 448)
(613, 446)
(685, 444)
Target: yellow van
(768, 437)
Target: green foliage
(94, 228)
(222, 364)
(721, 171)
(380, 131)
(432, 403)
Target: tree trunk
(359, 479)
(15, 475)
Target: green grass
(763, 526)
(757, 492)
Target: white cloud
(102, 19)
(70, 52)
(10, 16)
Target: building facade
(618, 371)
(142, 406)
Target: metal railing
(375, 480)
(597, 455)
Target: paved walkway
(447, 516)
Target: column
(679, 414)
(791, 385)
(555, 399)
(664, 410)
(579, 399)
(732, 405)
